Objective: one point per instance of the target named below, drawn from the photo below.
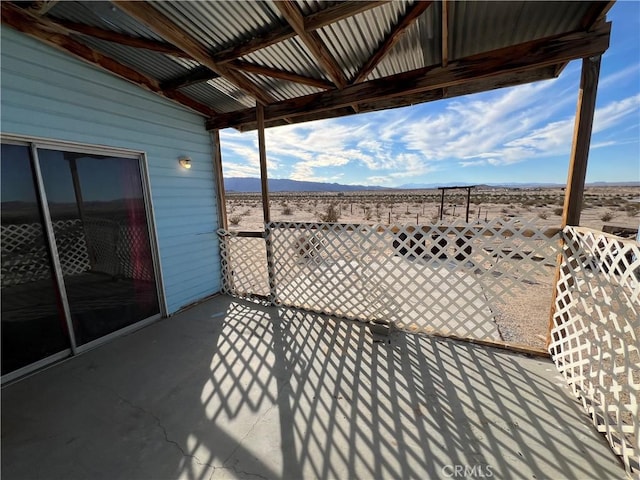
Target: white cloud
(498, 128)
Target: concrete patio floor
(230, 389)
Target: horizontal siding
(46, 93)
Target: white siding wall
(46, 93)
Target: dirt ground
(602, 206)
(523, 318)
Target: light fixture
(185, 162)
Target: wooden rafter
(313, 22)
(121, 38)
(168, 30)
(281, 74)
(412, 13)
(530, 55)
(313, 42)
(197, 75)
(57, 36)
(338, 12)
(445, 33)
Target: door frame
(35, 143)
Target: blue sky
(519, 134)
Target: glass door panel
(33, 323)
(99, 220)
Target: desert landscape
(619, 206)
(521, 317)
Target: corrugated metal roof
(484, 26)
(281, 89)
(153, 64)
(209, 94)
(474, 27)
(101, 14)
(419, 47)
(290, 55)
(352, 41)
(232, 91)
(221, 24)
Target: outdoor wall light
(185, 162)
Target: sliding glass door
(99, 221)
(94, 272)
(33, 323)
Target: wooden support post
(468, 202)
(581, 141)
(574, 192)
(442, 204)
(263, 164)
(219, 179)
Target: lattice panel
(441, 278)
(596, 334)
(24, 254)
(101, 245)
(243, 265)
(134, 252)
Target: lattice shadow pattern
(596, 332)
(442, 278)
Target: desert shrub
(632, 209)
(607, 216)
(331, 214)
(558, 211)
(287, 211)
(235, 219)
(543, 215)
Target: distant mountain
(248, 185)
(251, 185)
(414, 186)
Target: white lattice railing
(97, 244)
(243, 265)
(596, 334)
(445, 278)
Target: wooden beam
(258, 42)
(412, 13)
(519, 58)
(120, 38)
(313, 42)
(174, 34)
(278, 34)
(281, 74)
(445, 33)
(581, 141)
(471, 87)
(58, 37)
(264, 177)
(197, 75)
(219, 179)
(338, 12)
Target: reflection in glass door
(33, 321)
(99, 220)
(77, 256)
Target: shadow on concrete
(231, 389)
